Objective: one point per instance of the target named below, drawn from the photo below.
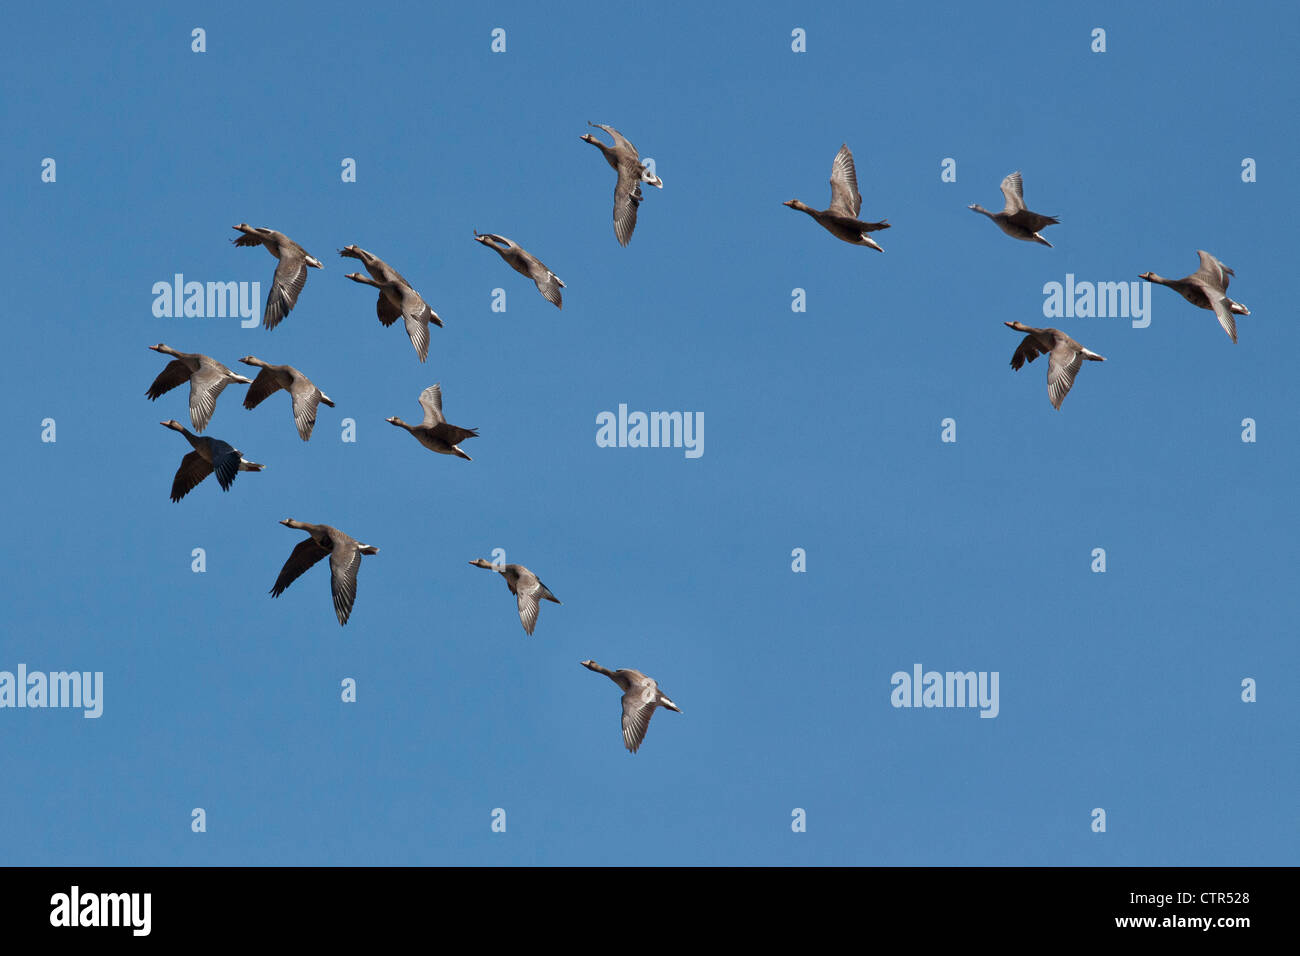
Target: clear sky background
(1119, 690)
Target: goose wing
(627, 196)
(345, 560)
(205, 385)
(1013, 190)
(387, 311)
(1030, 348)
(306, 553)
(193, 469)
(845, 198)
(1062, 366)
(173, 374)
(431, 402)
(225, 462)
(548, 283)
(265, 385)
(290, 277)
(418, 315)
(1219, 302)
(638, 708)
(527, 596)
(306, 398)
(1213, 271)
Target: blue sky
(1119, 690)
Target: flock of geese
(1206, 288)
(396, 299)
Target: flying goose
(207, 377)
(641, 695)
(1064, 357)
(303, 395)
(525, 586)
(1014, 219)
(841, 218)
(434, 433)
(1207, 288)
(345, 559)
(631, 174)
(525, 263)
(209, 455)
(396, 298)
(290, 274)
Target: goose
(525, 586)
(1014, 219)
(207, 377)
(209, 455)
(434, 433)
(1207, 288)
(396, 298)
(290, 274)
(525, 263)
(345, 559)
(841, 218)
(641, 695)
(303, 395)
(1064, 357)
(631, 174)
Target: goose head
(1149, 276)
(313, 262)
(252, 360)
(173, 424)
(795, 204)
(651, 178)
(160, 347)
(665, 702)
(396, 421)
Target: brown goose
(209, 455)
(1014, 219)
(345, 560)
(841, 218)
(207, 377)
(290, 273)
(526, 587)
(303, 394)
(434, 433)
(631, 174)
(525, 263)
(641, 695)
(396, 299)
(1207, 288)
(1065, 357)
